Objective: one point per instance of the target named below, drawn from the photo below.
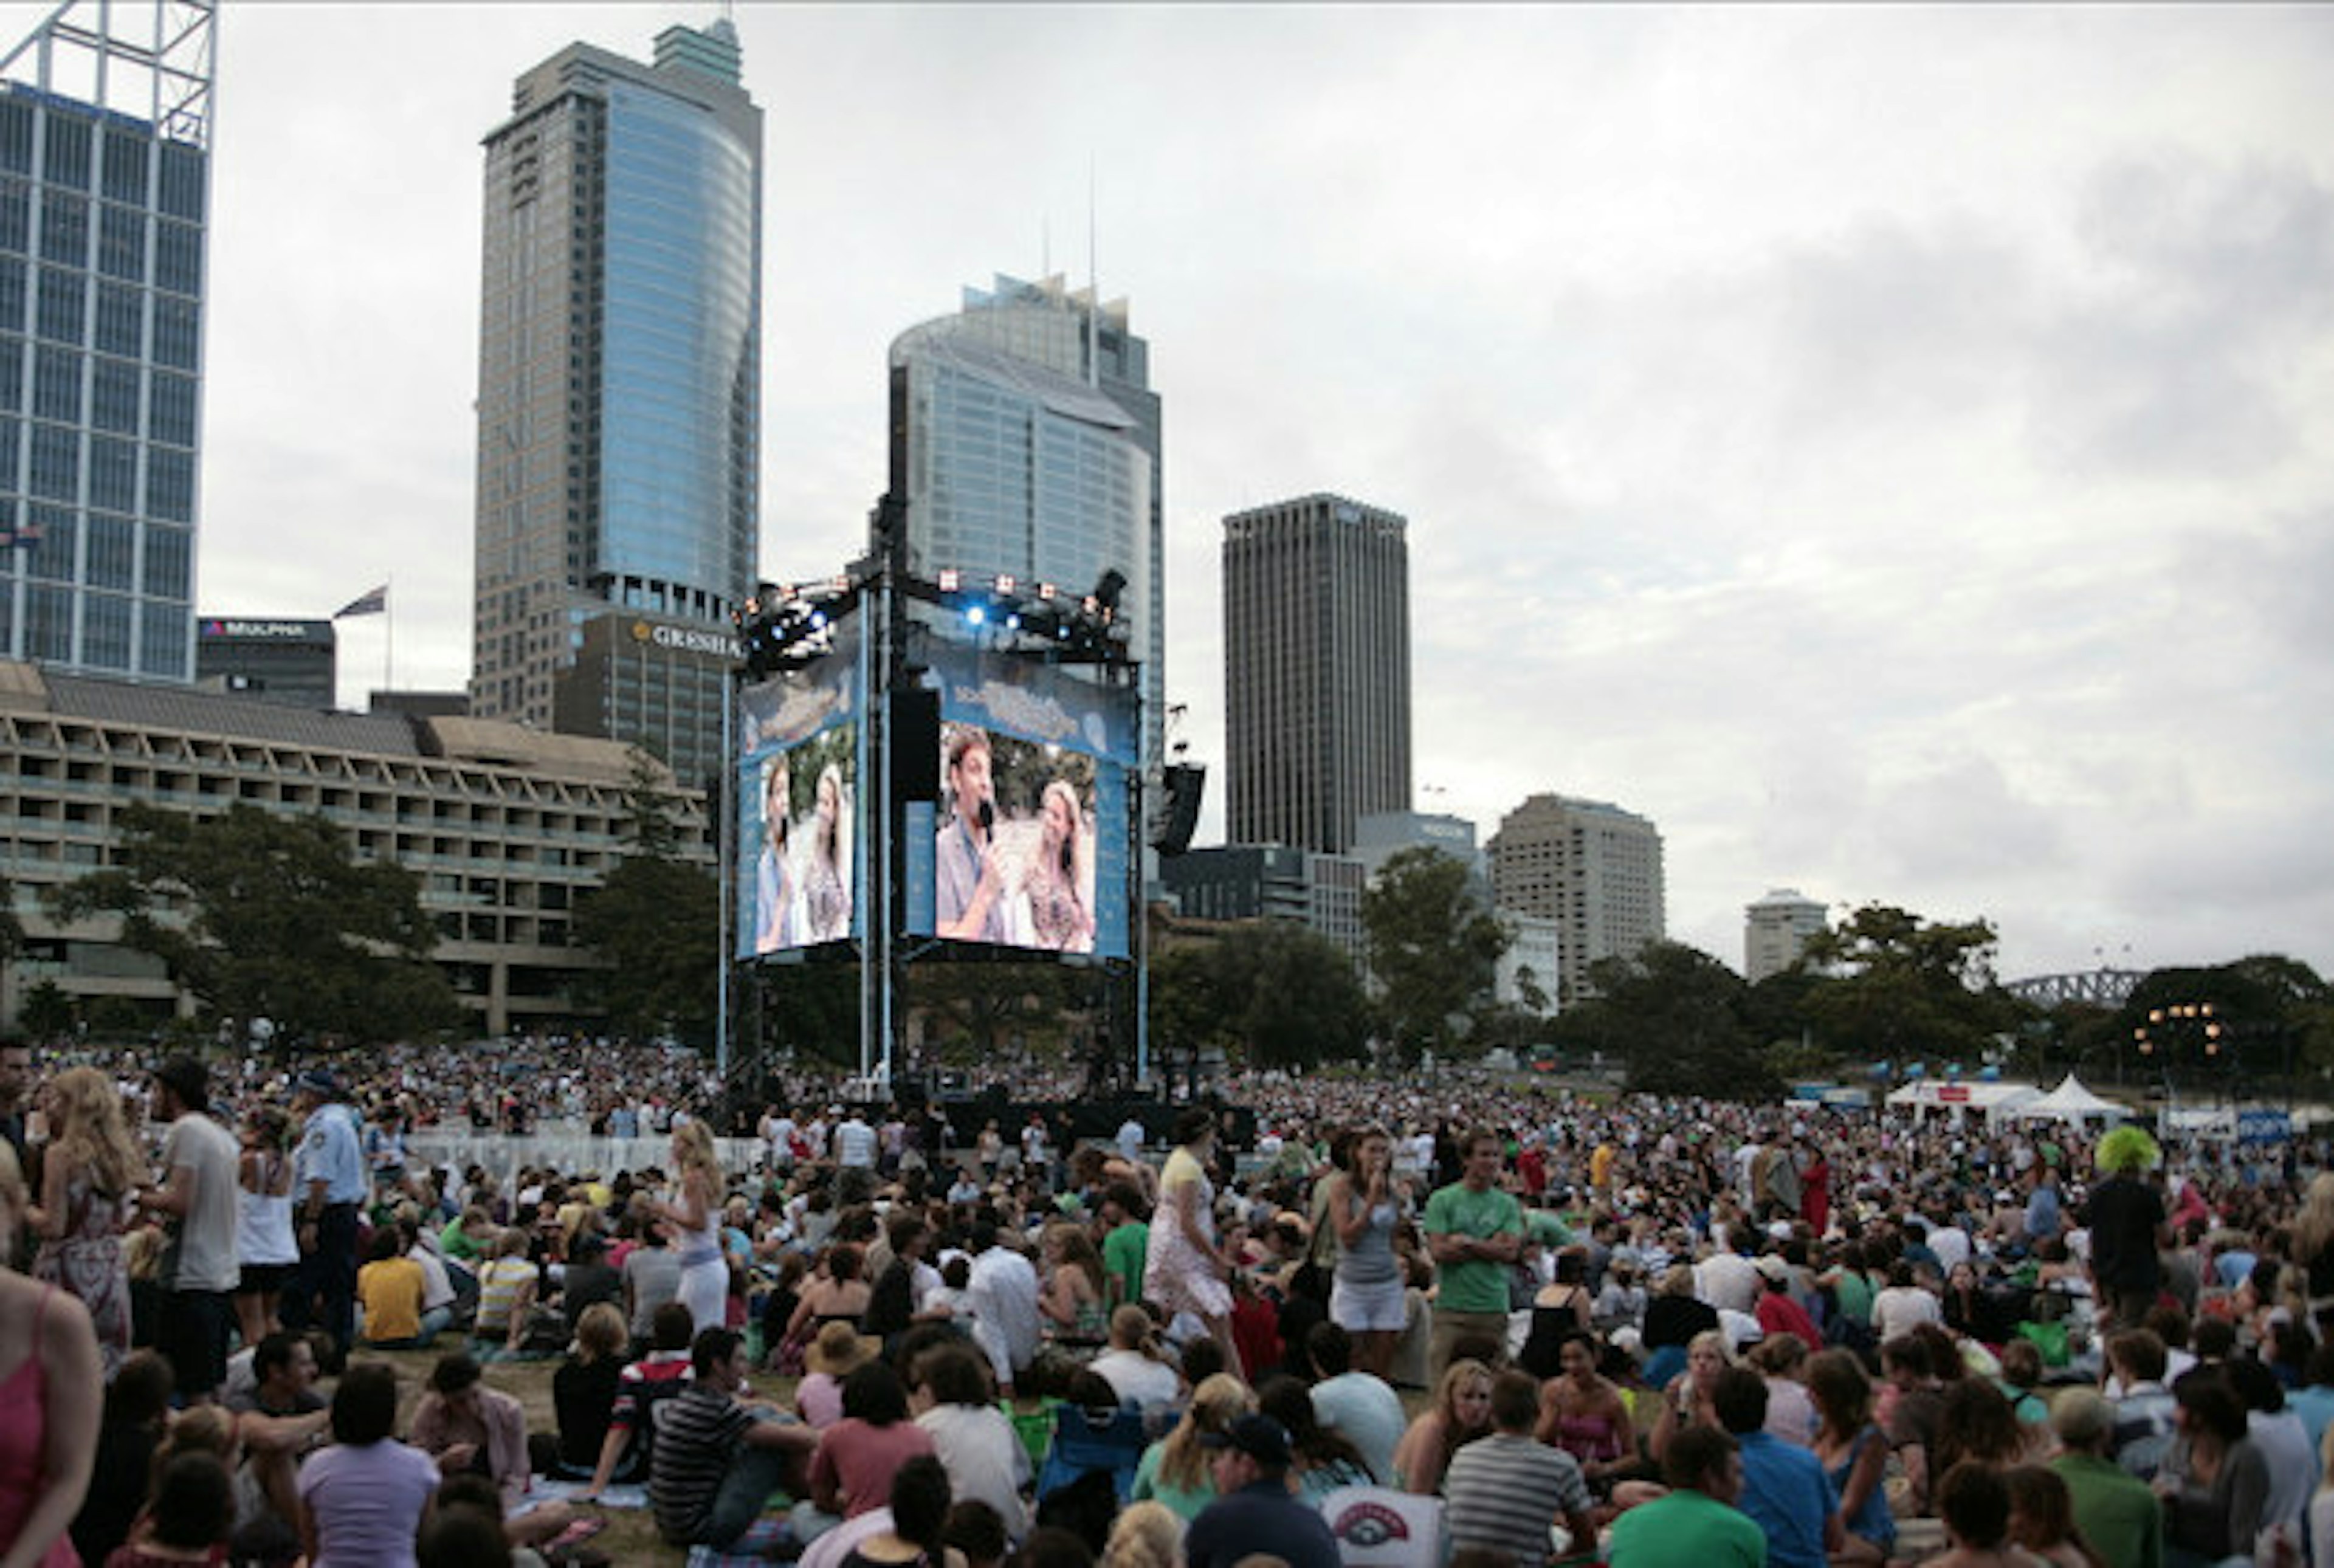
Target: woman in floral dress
(89, 1177)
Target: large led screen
(799, 765)
(1026, 846)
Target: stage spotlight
(950, 579)
(1106, 591)
(976, 615)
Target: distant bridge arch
(2094, 987)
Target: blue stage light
(976, 616)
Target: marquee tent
(2070, 1102)
(1956, 1097)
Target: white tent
(1959, 1097)
(2070, 1102)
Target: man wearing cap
(329, 1175)
(1255, 1513)
(197, 1201)
(2115, 1511)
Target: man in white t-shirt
(197, 1199)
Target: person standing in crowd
(50, 1400)
(1125, 1243)
(266, 1246)
(1002, 1295)
(2128, 1224)
(1184, 1269)
(694, 1213)
(1474, 1232)
(90, 1173)
(197, 1201)
(16, 1077)
(1365, 1293)
(330, 1175)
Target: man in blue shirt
(1785, 1489)
(1254, 1511)
(331, 1185)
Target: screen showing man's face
(970, 779)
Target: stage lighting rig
(787, 626)
(1039, 621)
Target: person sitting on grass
(626, 1451)
(472, 1429)
(716, 1461)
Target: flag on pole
(374, 603)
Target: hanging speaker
(916, 744)
(1182, 785)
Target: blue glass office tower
(104, 200)
(1025, 438)
(619, 413)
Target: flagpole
(387, 638)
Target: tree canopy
(1895, 987)
(261, 915)
(1434, 949)
(1285, 995)
(655, 924)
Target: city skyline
(1884, 447)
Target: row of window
(112, 401)
(75, 151)
(60, 300)
(51, 471)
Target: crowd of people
(1511, 1325)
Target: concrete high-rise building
(618, 405)
(104, 212)
(1317, 670)
(1025, 438)
(1592, 867)
(1775, 930)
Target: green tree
(47, 1013)
(261, 915)
(1433, 949)
(1294, 998)
(1677, 1012)
(1898, 987)
(975, 1010)
(655, 925)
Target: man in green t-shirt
(1126, 1245)
(1697, 1521)
(1474, 1231)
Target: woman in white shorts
(1365, 1292)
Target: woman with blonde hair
(826, 880)
(1462, 1413)
(49, 1401)
(89, 1179)
(694, 1213)
(1055, 886)
(1174, 1470)
(1144, 1535)
(2313, 1251)
(1686, 1401)
(1072, 1300)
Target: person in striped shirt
(1505, 1490)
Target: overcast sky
(1888, 447)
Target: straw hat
(840, 1350)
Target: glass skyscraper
(619, 411)
(1025, 437)
(105, 199)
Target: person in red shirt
(857, 1456)
(1777, 1312)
